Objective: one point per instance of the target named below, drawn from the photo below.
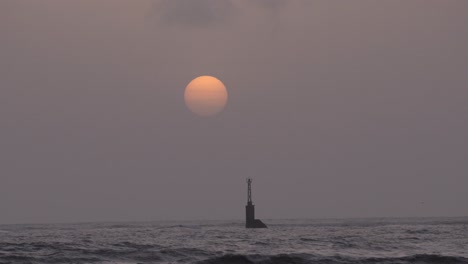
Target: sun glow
(206, 96)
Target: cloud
(272, 4)
(200, 13)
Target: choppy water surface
(287, 241)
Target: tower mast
(249, 190)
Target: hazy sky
(336, 109)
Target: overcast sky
(336, 109)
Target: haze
(336, 109)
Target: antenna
(249, 190)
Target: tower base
(256, 223)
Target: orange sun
(205, 96)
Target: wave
(419, 231)
(127, 252)
(143, 253)
(306, 259)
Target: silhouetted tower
(250, 208)
(250, 221)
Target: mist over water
(416, 240)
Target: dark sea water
(429, 240)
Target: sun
(206, 96)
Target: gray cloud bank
(201, 13)
(210, 13)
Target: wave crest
(305, 259)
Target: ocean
(412, 240)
